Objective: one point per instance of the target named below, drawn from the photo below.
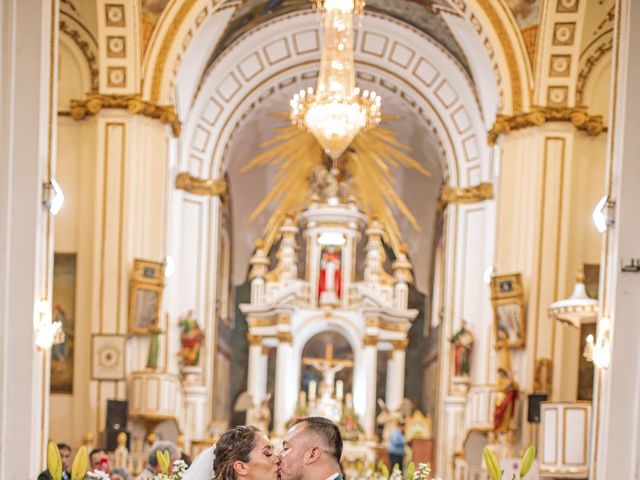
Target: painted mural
(64, 302)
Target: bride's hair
(234, 445)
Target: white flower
(99, 474)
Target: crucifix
(328, 366)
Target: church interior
(382, 212)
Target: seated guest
(99, 461)
(65, 456)
(244, 453)
(152, 468)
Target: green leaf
(527, 460)
(54, 462)
(411, 471)
(80, 464)
(493, 466)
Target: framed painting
(145, 296)
(509, 323)
(64, 308)
(507, 297)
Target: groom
(311, 451)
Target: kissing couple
(311, 450)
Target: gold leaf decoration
(368, 162)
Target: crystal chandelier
(337, 111)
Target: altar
(363, 307)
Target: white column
(388, 390)
(26, 159)
(370, 359)
(195, 405)
(257, 373)
(284, 361)
(396, 391)
(617, 402)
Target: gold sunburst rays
(368, 161)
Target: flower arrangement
(493, 465)
(381, 472)
(177, 469)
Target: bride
(242, 453)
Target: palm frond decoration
(368, 162)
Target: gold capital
(254, 339)
(201, 186)
(284, 337)
(400, 344)
(369, 340)
(134, 104)
(459, 195)
(578, 116)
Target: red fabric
(336, 275)
(510, 398)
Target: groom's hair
(327, 431)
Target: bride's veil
(202, 466)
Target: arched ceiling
(421, 14)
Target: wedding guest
(99, 460)
(152, 468)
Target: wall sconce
(47, 331)
(598, 351)
(169, 266)
(603, 214)
(52, 196)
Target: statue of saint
(462, 342)
(329, 280)
(191, 340)
(506, 399)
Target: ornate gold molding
(284, 337)
(400, 344)
(132, 103)
(458, 195)
(201, 186)
(254, 340)
(578, 116)
(369, 340)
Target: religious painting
(329, 279)
(145, 296)
(107, 357)
(64, 308)
(508, 310)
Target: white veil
(202, 466)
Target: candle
(312, 390)
(339, 390)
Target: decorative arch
(494, 24)
(348, 329)
(398, 58)
(181, 23)
(71, 51)
(73, 32)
